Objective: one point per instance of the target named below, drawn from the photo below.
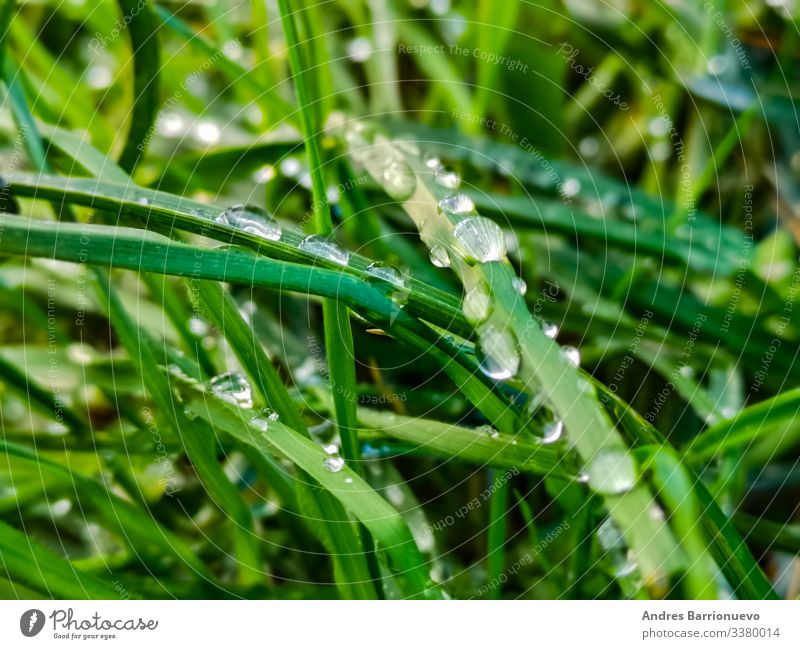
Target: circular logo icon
(31, 622)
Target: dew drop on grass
(519, 285)
(550, 329)
(553, 432)
(260, 423)
(333, 462)
(324, 248)
(477, 303)
(291, 167)
(399, 181)
(251, 219)
(359, 49)
(457, 205)
(198, 326)
(480, 240)
(571, 187)
(387, 273)
(446, 178)
(432, 161)
(572, 355)
(440, 257)
(500, 358)
(348, 480)
(234, 388)
(611, 472)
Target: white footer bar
(348, 625)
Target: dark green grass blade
(143, 30)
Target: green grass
(392, 433)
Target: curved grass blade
(384, 523)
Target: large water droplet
(489, 431)
(251, 219)
(457, 205)
(480, 240)
(387, 273)
(399, 181)
(553, 432)
(234, 388)
(612, 472)
(333, 462)
(477, 304)
(440, 257)
(500, 356)
(324, 248)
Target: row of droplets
(234, 388)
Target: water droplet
(550, 329)
(208, 132)
(143, 200)
(480, 240)
(612, 471)
(500, 356)
(198, 326)
(348, 480)
(553, 432)
(477, 303)
(260, 423)
(251, 219)
(446, 178)
(489, 431)
(440, 257)
(264, 174)
(588, 147)
(432, 161)
(399, 181)
(717, 65)
(519, 285)
(457, 205)
(291, 167)
(387, 273)
(325, 248)
(571, 187)
(359, 49)
(234, 388)
(572, 355)
(333, 462)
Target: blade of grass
(143, 30)
(24, 561)
(383, 522)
